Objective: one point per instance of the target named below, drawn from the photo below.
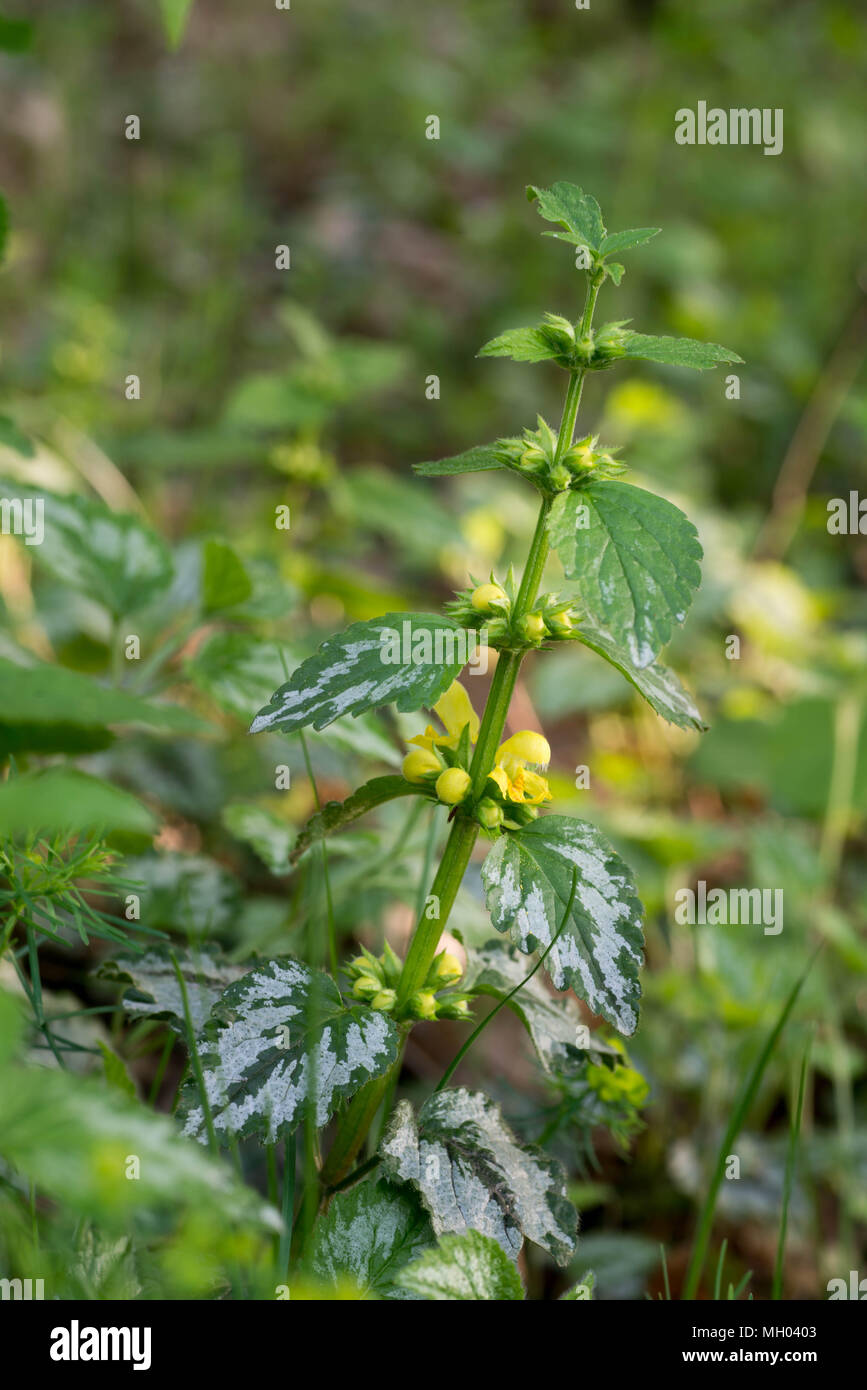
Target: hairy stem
(362, 1110)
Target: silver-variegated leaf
(464, 1269)
(206, 973)
(553, 1023)
(368, 1235)
(528, 878)
(660, 687)
(472, 1174)
(636, 558)
(406, 659)
(280, 1044)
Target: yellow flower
(527, 747)
(518, 783)
(455, 711)
(515, 780)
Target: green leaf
(11, 437)
(115, 1070)
(239, 671)
(74, 1140)
(109, 556)
(280, 1045)
(336, 814)
(155, 990)
(63, 800)
(522, 345)
(552, 1023)
(351, 672)
(225, 581)
(582, 1291)
(616, 271)
(463, 1269)
(270, 837)
(577, 212)
(472, 1174)
(48, 708)
(483, 457)
(623, 241)
(676, 352)
(528, 882)
(176, 14)
(369, 1234)
(16, 35)
(635, 556)
(189, 893)
(660, 687)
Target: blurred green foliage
(306, 388)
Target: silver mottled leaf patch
(472, 1174)
(407, 659)
(206, 971)
(660, 687)
(636, 557)
(368, 1234)
(528, 882)
(462, 1269)
(554, 1023)
(280, 1044)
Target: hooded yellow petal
(529, 747)
(455, 710)
(498, 775)
(429, 739)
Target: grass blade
(791, 1161)
(733, 1129)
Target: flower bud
(419, 764)
(456, 1009)
(446, 970)
(559, 476)
(532, 458)
(560, 623)
(488, 597)
(452, 785)
(489, 814)
(533, 627)
(423, 1004)
(366, 987)
(384, 1000)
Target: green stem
(357, 1119)
(501, 1003)
(363, 1108)
(195, 1060)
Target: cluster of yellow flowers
(514, 788)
